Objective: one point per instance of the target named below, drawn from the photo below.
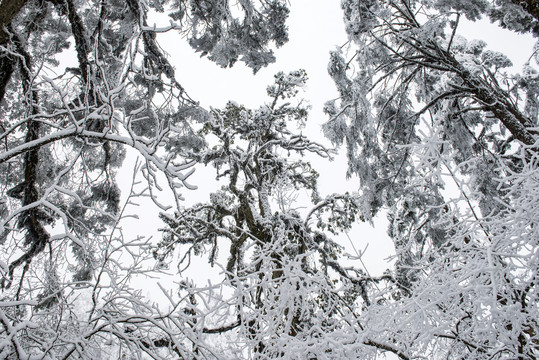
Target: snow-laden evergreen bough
(65, 264)
(444, 140)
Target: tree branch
(387, 347)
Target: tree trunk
(531, 6)
(8, 10)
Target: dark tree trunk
(531, 6)
(8, 10)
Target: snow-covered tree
(445, 140)
(64, 133)
(441, 136)
(284, 291)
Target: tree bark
(8, 10)
(531, 6)
(7, 66)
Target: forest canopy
(440, 136)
